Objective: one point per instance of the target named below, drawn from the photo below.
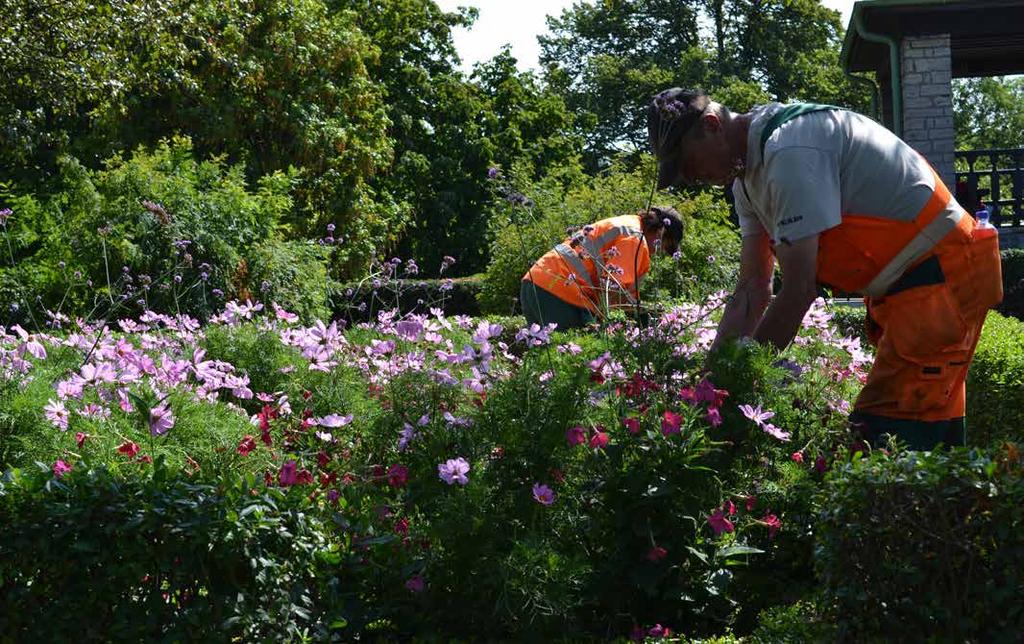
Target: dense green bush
(293, 275)
(925, 546)
(160, 556)
(995, 383)
(159, 230)
(535, 216)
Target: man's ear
(710, 123)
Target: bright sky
(519, 22)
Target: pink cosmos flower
(599, 440)
(775, 432)
(798, 457)
(57, 414)
(719, 523)
(398, 475)
(576, 436)
(161, 420)
(334, 420)
(60, 468)
(670, 423)
(543, 494)
(454, 470)
(246, 445)
(80, 438)
(773, 524)
(632, 425)
(415, 584)
(755, 414)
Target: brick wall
(928, 100)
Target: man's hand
(798, 261)
(753, 291)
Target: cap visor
(668, 174)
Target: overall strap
(788, 113)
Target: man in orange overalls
(596, 268)
(839, 200)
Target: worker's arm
(798, 261)
(753, 291)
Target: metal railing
(995, 178)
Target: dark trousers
(541, 307)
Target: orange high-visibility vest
(610, 253)
(866, 254)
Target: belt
(924, 274)
(918, 247)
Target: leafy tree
(989, 113)
(609, 58)
(272, 83)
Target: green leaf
(738, 549)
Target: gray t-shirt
(822, 166)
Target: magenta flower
(398, 475)
(415, 584)
(820, 465)
(246, 445)
(773, 524)
(714, 417)
(599, 440)
(656, 554)
(670, 423)
(288, 474)
(161, 420)
(60, 468)
(454, 470)
(632, 425)
(719, 523)
(80, 438)
(576, 436)
(128, 448)
(798, 457)
(543, 494)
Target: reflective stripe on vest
(932, 227)
(919, 246)
(575, 263)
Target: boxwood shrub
(924, 546)
(96, 556)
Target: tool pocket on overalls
(927, 330)
(986, 268)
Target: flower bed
(439, 475)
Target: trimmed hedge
(995, 383)
(95, 556)
(924, 546)
(361, 301)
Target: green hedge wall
(924, 546)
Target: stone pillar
(928, 100)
